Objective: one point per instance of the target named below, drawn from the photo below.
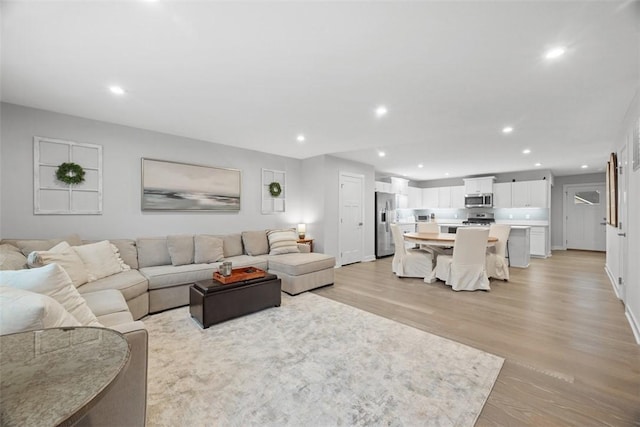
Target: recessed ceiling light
(300, 138)
(420, 165)
(446, 174)
(381, 111)
(507, 129)
(584, 166)
(526, 151)
(538, 165)
(404, 174)
(381, 153)
(554, 53)
(116, 90)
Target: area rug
(311, 362)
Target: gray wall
(123, 147)
(557, 201)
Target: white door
(351, 218)
(623, 182)
(585, 217)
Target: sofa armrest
(304, 248)
(125, 404)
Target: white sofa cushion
(299, 264)
(53, 281)
(180, 249)
(99, 259)
(11, 258)
(22, 310)
(255, 242)
(208, 249)
(66, 257)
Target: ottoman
(302, 272)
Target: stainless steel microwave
(478, 200)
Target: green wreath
(70, 173)
(275, 189)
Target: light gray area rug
(311, 362)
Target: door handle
(360, 224)
(622, 234)
(603, 223)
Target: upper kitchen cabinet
(400, 186)
(444, 197)
(430, 198)
(383, 187)
(415, 197)
(530, 194)
(502, 195)
(482, 185)
(457, 197)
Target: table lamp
(302, 229)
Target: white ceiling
(255, 74)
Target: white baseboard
(558, 248)
(369, 258)
(635, 326)
(614, 281)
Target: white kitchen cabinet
(430, 198)
(538, 243)
(402, 201)
(457, 197)
(415, 198)
(530, 194)
(383, 187)
(444, 197)
(400, 186)
(502, 195)
(482, 185)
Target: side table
(53, 377)
(307, 242)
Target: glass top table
(54, 376)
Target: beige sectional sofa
(162, 270)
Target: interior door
(623, 182)
(351, 218)
(586, 217)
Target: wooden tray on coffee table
(239, 275)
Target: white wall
(123, 147)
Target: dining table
(439, 239)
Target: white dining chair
(431, 227)
(409, 262)
(465, 269)
(496, 258)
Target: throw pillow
(232, 245)
(11, 258)
(22, 311)
(116, 252)
(152, 251)
(63, 255)
(28, 246)
(208, 249)
(53, 281)
(255, 242)
(99, 260)
(180, 249)
(282, 241)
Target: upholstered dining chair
(496, 258)
(465, 269)
(431, 227)
(409, 262)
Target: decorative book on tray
(239, 275)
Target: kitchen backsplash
(534, 214)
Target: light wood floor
(571, 358)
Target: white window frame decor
(45, 183)
(274, 204)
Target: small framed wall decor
(274, 191)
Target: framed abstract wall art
(174, 186)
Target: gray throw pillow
(232, 245)
(208, 249)
(152, 251)
(255, 242)
(181, 249)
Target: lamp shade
(302, 229)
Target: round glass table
(54, 376)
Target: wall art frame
(175, 186)
(54, 197)
(274, 203)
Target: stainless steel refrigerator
(385, 211)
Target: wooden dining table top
(439, 237)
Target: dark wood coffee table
(212, 302)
